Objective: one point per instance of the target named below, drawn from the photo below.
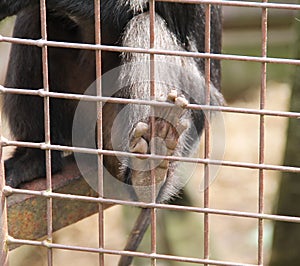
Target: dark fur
(72, 70)
(68, 21)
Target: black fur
(72, 70)
(124, 22)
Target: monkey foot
(168, 125)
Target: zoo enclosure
(48, 192)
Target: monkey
(170, 129)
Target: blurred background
(232, 238)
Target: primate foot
(169, 124)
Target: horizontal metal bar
(41, 43)
(44, 146)
(237, 3)
(80, 97)
(47, 244)
(241, 214)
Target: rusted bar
(128, 253)
(237, 3)
(227, 109)
(27, 213)
(207, 137)
(152, 156)
(98, 58)
(263, 92)
(3, 209)
(45, 70)
(152, 148)
(109, 202)
(257, 59)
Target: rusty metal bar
(45, 69)
(257, 59)
(153, 148)
(27, 212)
(98, 58)
(238, 3)
(3, 208)
(154, 157)
(206, 250)
(263, 92)
(80, 97)
(72, 197)
(126, 253)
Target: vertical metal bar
(264, 25)
(97, 6)
(207, 130)
(43, 14)
(3, 209)
(152, 94)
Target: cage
(235, 181)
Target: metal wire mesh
(261, 166)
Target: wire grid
(261, 166)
